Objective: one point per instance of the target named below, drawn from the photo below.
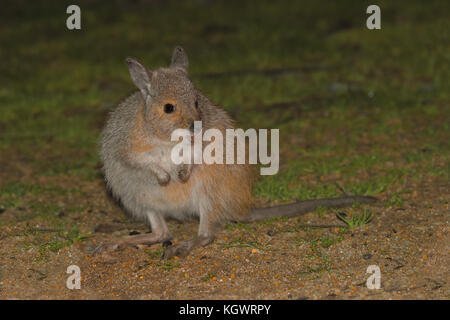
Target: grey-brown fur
(135, 151)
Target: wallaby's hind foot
(147, 239)
(183, 248)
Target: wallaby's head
(170, 97)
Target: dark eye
(169, 108)
(196, 104)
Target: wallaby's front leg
(146, 161)
(206, 235)
(184, 172)
(160, 233)
(161, 175)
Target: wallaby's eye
(169, 108)
(196, 104)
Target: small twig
(399, 288)
(242, 245)
(45, 230)
(325, 226)
(38, 271)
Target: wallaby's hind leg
(206, 234)
(160, 233)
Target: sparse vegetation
(356, 220)
(168, 265)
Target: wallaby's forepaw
(184, 173)
(163, 179)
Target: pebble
(367, 256)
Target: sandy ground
(282, 259)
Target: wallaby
(136, 153)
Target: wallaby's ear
(140, 76)
(179, 58)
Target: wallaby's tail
(302, 207)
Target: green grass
(240, 242)
(167, 265)
(239, 226)
(327, 241)
(52, 240)
(12, 193)
(209, 276)
(155, 254)
(356, 220)
(395, 200)
(318, 261)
